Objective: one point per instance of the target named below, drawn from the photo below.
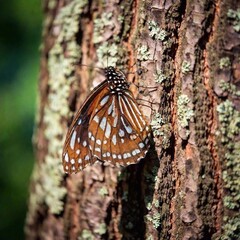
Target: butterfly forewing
(76, 152)
(108, 127)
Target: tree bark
(187, 187)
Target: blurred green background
(20, 37)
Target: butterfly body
(108, 127)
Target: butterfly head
(116, 80)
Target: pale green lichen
(101, 229)
(229, 119)
(101, 24)
(231, 228)
(162, 129)
(235, 17)
(150, 237)
(125, 196)
(186, 67)
(109, 54)
(229, 88)
(150, 200)
(103, 191)
(159, 77)
(156, 124)
(129, 225)
(154, 218)
(143, 53)
(86, 235)
(152, 177)
(47, 177)
(156, 32)
(52, 4)
(184, 111)
(224, 63)
(156, 203)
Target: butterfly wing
(76, 152)
(108, 127)
(118, 131)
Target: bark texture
(187, 187)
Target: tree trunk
(187, 187)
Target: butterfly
(108, 127)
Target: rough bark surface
(187, 187)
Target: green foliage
(20, 23)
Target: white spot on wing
(87, 158)
(137, 151)
(66, 158)
(128, 128)
(79, 121)
(114, 139)
(73, 138)
(98, 141)
(97, 149)
(103, 123)
(84, 143)
(121, 133)
(141, 145)
(96, 119)
(104, 100)
(72, 161)
(115, 121)
(108, 130)
(78, 151)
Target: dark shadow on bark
(136, 189)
